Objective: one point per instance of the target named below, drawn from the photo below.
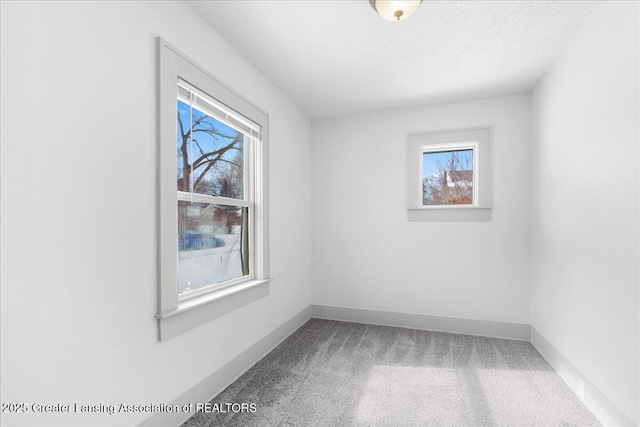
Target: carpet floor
(331, 373)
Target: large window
(449, 175)
(214, 198)
(212, 201)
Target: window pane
(213, 162)
(447, 177)
(212, 244)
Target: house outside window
(448, 177)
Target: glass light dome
(395, 10)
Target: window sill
(450, 213)
(196, 311)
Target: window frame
(477, 139)
(177, 314)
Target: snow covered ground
(207, 266)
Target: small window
(449, 175)
(212, 201)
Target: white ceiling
(339, 57)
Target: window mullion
(217, 200)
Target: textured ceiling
(339, 57)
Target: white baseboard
(485, 328)
(211, 386)
(594, 399)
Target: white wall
(366, 254)
(78, 209)
(585, 204)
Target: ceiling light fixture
(395, 10)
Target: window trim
(477, 138)
(176, 315)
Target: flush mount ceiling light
(395, 10)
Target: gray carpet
(331, 373)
